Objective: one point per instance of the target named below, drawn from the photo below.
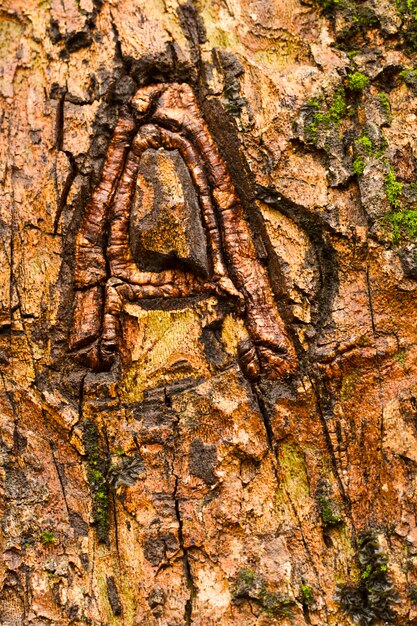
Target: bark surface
(219, 426)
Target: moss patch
(349, 384)
(330, 5)
(408, 11)
(48, 537)
(294, 480)
(366, 143)
(393, 188)
(97, 463)
(403, 223)
(412, 594)
(385, 104)
(371, 599)
(409, 76)
(307, 594)
(359, 165)
(324, 118)
(329, 509)
(252, 587)
(357, 18)
(357, 81)
(401, 357)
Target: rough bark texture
(185, 484)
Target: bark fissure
(188, 609)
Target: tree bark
(207, 312)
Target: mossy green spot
(359, 165)
(402, 222)
(307, 594)
(385, 104)
(326, 118)
(393, 188)
(401, 355)
(412, 594)
(366, 142)
(409, 76)
(48, 537)
(96, 472)
(357, 81)
(251, 586)
(371, 599)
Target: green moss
(325, 118)
(330, 5)
(251, 586)
(329, 510)
(367, 572)
(338, 108)
(400, 357)
(357, 81)
(366, 143)
(412, 594)
(329, 517)
(402, 222)
(371, 599)
(409, 76)
(357, 18)
(307, 594)
(97, 464)
(408, 10)
(294, 479)
(364, 146)
(393, 188)
(247, 576)
(277, 605)
(349, 385)
(359, 165)
(385, 104)
(313, 102)
(48, 537)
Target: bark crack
(263, 410)
(60, 478)
(345, 499)
(377, 358)
(188, 610)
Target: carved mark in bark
(108, 273)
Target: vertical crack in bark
(59, 121)
(194, 32)
(62, 200)
(345, 498)
(265, 416)
(114, 597)
(117, 604)
(188, 611)
(60, 478)
(118, 43)
(377, 358)
(307, 550)
(263, 410)
(59, 146)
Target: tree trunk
(208, 312)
